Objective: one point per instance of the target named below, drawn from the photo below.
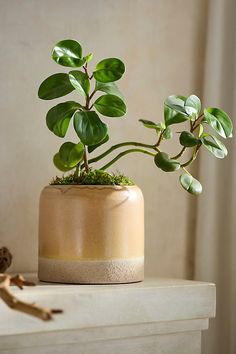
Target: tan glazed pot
(91, 234)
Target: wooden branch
(13, 302)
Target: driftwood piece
(13, 302)
(5, 259)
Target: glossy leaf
(68, 53)
(109, 70)
(80, 82)
(91, 148)
(59, 116)
(190, 184)
(187, 139)
(177, 103)
(173, 117)
(54, 86)
(58, 163)
(108, 87)
(110, 106)
(165, 163)
(167, 133)
(71, 154)
(219, 121)
(89, 128)
(152, 125)
(214, 145)
(192, 106)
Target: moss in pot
(91, 227)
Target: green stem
(193, 157)
(186, 171)
(125, 153)
(117, 146)
(179, 154)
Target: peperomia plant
(92, 132)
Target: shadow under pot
(91, 234)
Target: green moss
(96, 177)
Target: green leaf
(173, 117)
(108, 87)
(68, 53)
(187, 139)
(89, 128)
(219, 121)
(165, 163)
(91, 148)
(110, 106)
(177, 103)
(192, 106)
(214, 145)
(109, 70)
(167, 133)
(152, 125)
(80, 82)
(200, 131)
(58, 163)
(54, 86)
(59, 116)
(190, 184)
(88, 57)
(71, 154)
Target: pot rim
(89, 186)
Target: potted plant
(91, 223)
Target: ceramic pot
(91, 234)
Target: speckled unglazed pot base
(92, 272)
(91, 234)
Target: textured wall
(162, 44)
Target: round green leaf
(89, 128)
(80, 82)
(187, 139)
(165, 163)
(109, 70)
(59, 116)
(54, 86)
(192, 106)
(219, 121)
(190, 184)
(173, 117)
(177, 103)
(214, 145)
(71, 154)
(58, 163)
(110, 106)
(68, 53)
(108, 87)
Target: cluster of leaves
(90, 129)
(95, 177)
(92, 132)
(178, 109)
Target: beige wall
(162, 44)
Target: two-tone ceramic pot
(91, 234)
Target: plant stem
(193, 157)
(186, 171)
(127, 143)
(86, 166)
(125, 153)
(179, 154)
